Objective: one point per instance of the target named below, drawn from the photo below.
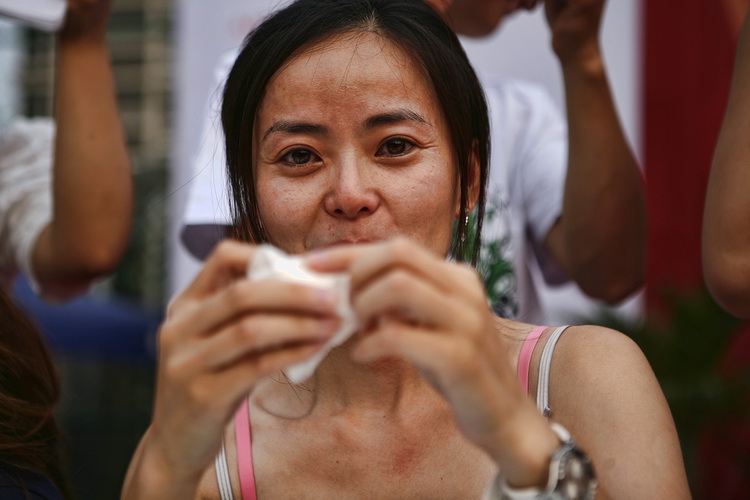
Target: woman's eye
(299, 157)
(395, 147)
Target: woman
(357, 136)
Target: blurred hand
(575, 28)
(86, 19)
(227, 332)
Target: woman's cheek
(286, 210)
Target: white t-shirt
(525, 191)
(26, 152)
(528, 159)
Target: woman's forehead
(356, 68)
(360, 44)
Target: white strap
(542, 388)
(222, 474)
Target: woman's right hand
(221, 335)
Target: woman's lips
(346, 242)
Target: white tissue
(271, 263)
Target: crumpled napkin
(271, 263)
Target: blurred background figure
(726, 223)
(66, 199)
(593, 226)
(66, 206)
(32, 451)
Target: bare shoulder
(604, 391)
(594, 366)
(596, 350)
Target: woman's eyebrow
(296, 128)
(396, 116)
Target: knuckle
(301, 294)
(398, 283)
(464, 357)
(471, 276)
(469, 273)
(237, 294)
(474, 324)
(222, 251)
(170, 336)
(178, 306)
(246, 332)
(265, 365)
(175, 370)
(174, 306)
(199, 395)
(401, 247)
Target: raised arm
(726, 220)
(92, 188)
(600, 239)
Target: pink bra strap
(524, 359)
(245, 451)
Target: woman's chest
(430, 462)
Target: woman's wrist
(571, 476)
(525, 447)
(156, 477)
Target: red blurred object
(689, 57)
(735, 362)
(724, 461)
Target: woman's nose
(352, 192)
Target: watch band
(571, 476)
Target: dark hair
(411, 25)
(29, 391)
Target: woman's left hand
(434, 314)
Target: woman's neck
(378, 390)
(341, 385)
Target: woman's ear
(474, 177)
(473, 181)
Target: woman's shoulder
(582, 342)
(594, 366)
(595, 352)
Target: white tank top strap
(222, 474)
(542, 388)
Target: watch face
(576, 479)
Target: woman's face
(351, 146)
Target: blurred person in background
(566, 201)
(65, 188)
(726, 222)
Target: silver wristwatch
(571, 476)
